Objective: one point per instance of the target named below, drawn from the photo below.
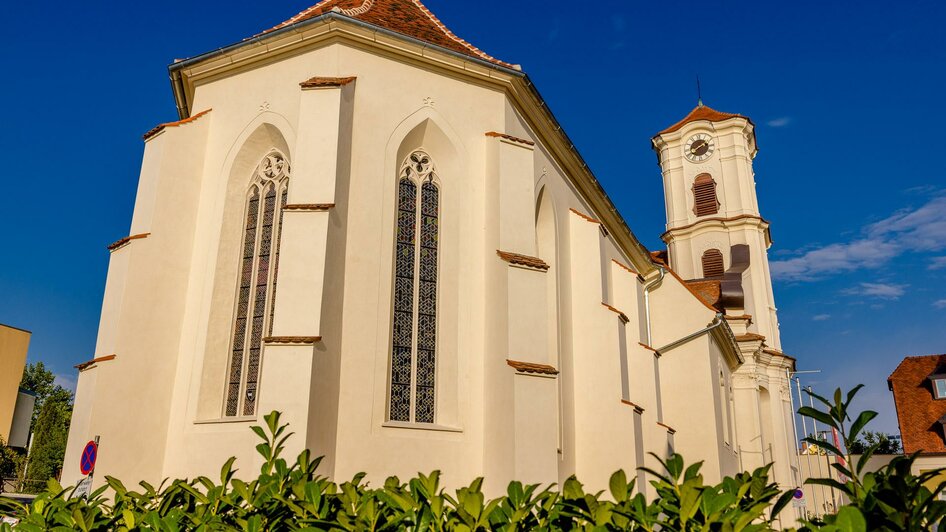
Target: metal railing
(21, 486)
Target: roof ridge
(433, 18)
(909, 357)
(363, 11)
(364, 7)
(299, 15)
(702, 112)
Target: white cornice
(720, 224)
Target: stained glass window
(257, 284)
(414, 327)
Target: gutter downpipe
(647, 289)
(180, 99)
(717, 321)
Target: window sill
(420, 426)
(221, 420)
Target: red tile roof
(660, 257)
(750, 337)
(510, 138)
(918, 413)
(303, 340)
(531, 367)
(309, 207)
(94, 361)
(623, 317)
(161, 127)
(124, 240)
(585, 216)
(707, 290)
(319, 81)
(407, 17)
(701, 112)
(523, 260)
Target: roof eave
(726, 339)
(611, 216)
(175, 70)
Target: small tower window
(704, 195)
(713, 263)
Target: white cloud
(910, 230)
(821, 317)
(835, 258)
(922, 189)
(938, 263)
(940, 303)
(878, 290)
(922, 229)
(780, 122)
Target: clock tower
(713, 221)
(717, 236)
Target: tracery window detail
(414, 329)
(256, 294)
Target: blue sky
(848, 100)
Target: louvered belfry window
(414, 330)
(713, 263)
(256, 293)
(704, 195)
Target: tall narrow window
(713, 263)
(414, 330)
(704, 195)
(256, 293)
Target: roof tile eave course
(701, 112)
(407, 17)
(709, 290)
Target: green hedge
(292, 496)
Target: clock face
(699, 147)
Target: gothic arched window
(256, 294)
(713, 263)
(704, 195)
(414, 330)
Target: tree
(52, 413)
(40, 381)
(50, 435)
(886, 443)
(11, 461)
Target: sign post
(798, 498)
(90, 454)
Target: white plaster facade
(583, 367)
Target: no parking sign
(87, 461)
(798, 498)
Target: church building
(365, 222)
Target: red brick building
(919, 392)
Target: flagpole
(798, 441)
